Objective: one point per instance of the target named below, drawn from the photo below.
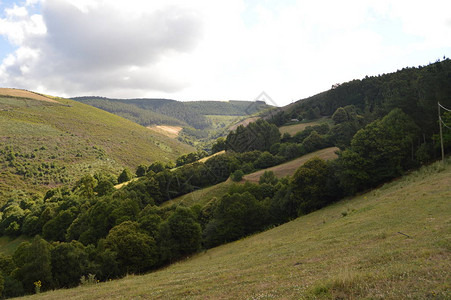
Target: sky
(211, 49)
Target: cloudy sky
(211, 49)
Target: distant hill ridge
(155, 111)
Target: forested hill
(171, 112)
(414, 90)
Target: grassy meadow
(393, 242)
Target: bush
(237, 176)
(269, 178)
(265, 160)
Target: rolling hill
(47, 141)
(389, 243)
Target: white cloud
(18, 25)
(202, 49)
(90, 46)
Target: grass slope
(44, 144)
(202, 196)
(350, 250)
(289, 168)
(8, 244)
(295, 128)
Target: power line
(443, 107)
(443, 122)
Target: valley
(342, 195)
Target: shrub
(237, 176)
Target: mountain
(48, 141)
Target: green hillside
(391, 243)
(45, 144)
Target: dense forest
(384, 126)
(416, 91)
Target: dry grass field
(244, 122)
(24, 94)
(208, 157)
(295, 128)
(201, 196)
(390, 243)
(289, 168)
(169, 131)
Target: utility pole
(441, 134)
